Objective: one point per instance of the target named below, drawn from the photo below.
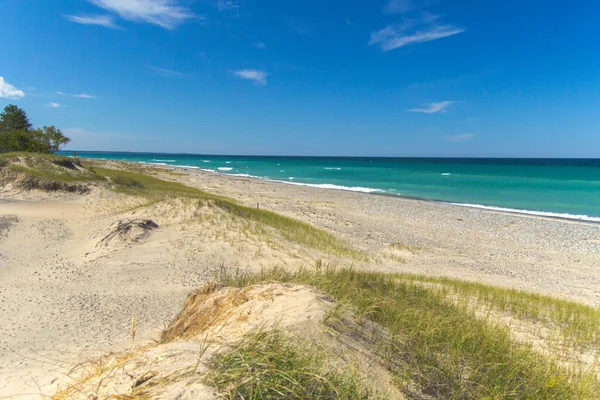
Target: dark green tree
(14, 118)
(17, 134)
(51, 138)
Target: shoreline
(377, 192)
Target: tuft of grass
(268, 365)
(438, 346)
(5, 223)
(404, 247)
(578, 324)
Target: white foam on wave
(227, 162)
(207, 161)
(334, 187)
(529, 212)
(291, 178)
(156, 160)
(446, 174)
(186, 166)
(245, 175)
(151, 163)
(333, 168)
(224, 169)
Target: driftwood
(126, 230)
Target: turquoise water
(561, 187)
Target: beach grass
(442, 347)
(269, 365)
(576, 325)
(41, 172)
(155, 189)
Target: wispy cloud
(423, 29)
(81, 95)
(169, 72)
(53, 105)
(432, 108)
(101, 20)
(405, 6)
(165, 13)
(10, 92)
(227, 5)
(255, 75)
(398, 6)
(461, 137)
(259, 45)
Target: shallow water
(555, 187)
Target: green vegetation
(267, 365)
(155, 189)
(440, 346)
(577, 325)
(17, 134)
(404, 247)
(51, 172)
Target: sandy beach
(66, 295)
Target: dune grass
(137, 184)
(47, 167)
(439, 346)
(53, 172)
(268, 365)
(577, 324)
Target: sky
(439, 78)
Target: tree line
(18, 134)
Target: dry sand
(64, 297)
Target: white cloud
(398, 6)
(8, 91)
(423, 29)
(259, 45)
(431, 108)
(253, 75)
(227, 5)
(461, 137)
(53, 105)
(101, 20)
(405, 6)
(81, 96)
(169, 72)
(165, 13)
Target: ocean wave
(244, 175)
(224, 169)
(151, 163)
(164, 160)
(529, 212)
(446, 174)
(185, 166)
(335, 187)
(333, 168)
(227, 162)
(207, 161)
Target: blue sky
(374, 78)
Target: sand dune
(68, 296)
